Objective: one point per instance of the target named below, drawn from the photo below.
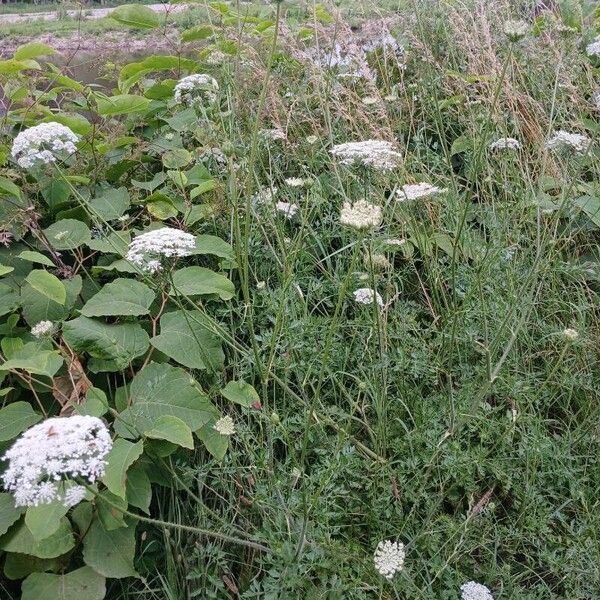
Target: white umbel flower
(378, 154)
(389, 558)
(225, 426)
(272, 134)
(147, 250)
(287, 209)
(42, 328)
(360, 215)
(419, 190)
(516, 30)
(593, 49)
(395, 242)
(294, 182)
(43, 144)
(475, 591)
(506, 143)
(570, 334)
(573, 141)
(74, 495)
(196, 90)
(367, 296)
(55, 450)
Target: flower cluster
(507, 143)
(360, 215)
(148, 249)
(378, 154)
(419, 190)
(295, 182)
(52, 452)
(225, 426)
(593, 49)
(272, 134)
(389, 558)
(287, 209)
(42, 328)
(515, 30)
(475, 591)
(571, 141)
(367, 296)
(43, 144)
(195, 90)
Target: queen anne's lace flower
(53, 451)
(148, 249)
(389, 558)
(367, 296)
(196, 90)
(287, 209)
(294, 182)
(505, 144)
(272, 134)
(42, 328)
(360, 215)
(225, 426)
(475, 591)
(378, 154)
(395, 242)
(571, 334)
(43, 144)
(515, 30)
(419, 190)
(565, 140)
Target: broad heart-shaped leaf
(9, 513)
(44, 520)
(118, 343)
(173, 430)
(108, 552)
(19, 539)
(36, 257)
(195, 281)
(120, 297)
(47, 284)
(161, 389)
(215, 443)
(16, 418)
(122, 104)
(121, 456)
(18, 566)
(211, 244)
(37, 307)
(82, 584)
(9, 299)
(113, 243)
(110, 205)
(135, 15)
(33, 360)
(68, 234)
(240, 392)
(184, 340)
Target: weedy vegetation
(305, 307)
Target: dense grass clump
(387, 329)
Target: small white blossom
(312, 139)
(360, 215)
(379, 261)
(378, 154)
(395, 242)
(515, 30)
(196, 90)
(74, 495)
(288, 210)
(55, 450)
(272, 134)
(565, 140)
(389, 558)
(147, 250)
(507, 143)
(294, 182)
(475, 591)
(570, 334)
(264, 196)
(419, 190)
(225, 426)
(42, 328)
(593, 49)
(43, 144)
(367, 296)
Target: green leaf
(186, 341)
(11, 66)
(185, 120)
(196, 281)
(110, 510)
(47, 284)
(68, 234)
(83, 583)
(18, 566)
(210, 244)
(44, 520)
(135, 15)
(36, 257)
(4, 270)
(215, 443)
(9, 299)
(95, 405)
(19, 539)
(16, 418)
(121, 456)
(176, 158)
(37, 307)
(173, 430)
(152, 184)
(119, 343)
(123, 104)
(33, 50)
(120, 297)
(115, 242)
(139, 490)
(197, 33)
(8, 187)
(35, 361)
(9, 513)
(78, 123)
(160, 206)
(161, 389)
(241, 393)
(205, 186)
(590, 206)
(111, 204)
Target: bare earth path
(86, 13)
